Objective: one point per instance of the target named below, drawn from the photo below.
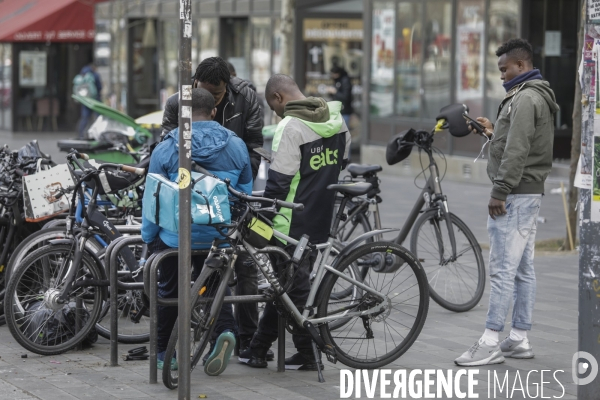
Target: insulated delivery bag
(210, 201)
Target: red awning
(47, 20)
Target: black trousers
(168, 287)
(268, 325)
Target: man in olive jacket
(520, 159)
(238, 107)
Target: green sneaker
(218, 359)
(159, 362)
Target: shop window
(261, 52)
(409, 51)
(503, 25)
(437, 52)
(235, 45)
(382, 59)
(276, 66)
(5, 86)
(208, 31)
(470, 68)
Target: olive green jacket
(520, 155)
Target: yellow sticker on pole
(184, 178)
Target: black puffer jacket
(242, 115)
(344, 93)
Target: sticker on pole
(184, 178)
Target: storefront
(143, 37)
(425, 54)
(43, 45)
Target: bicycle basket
(453, 114)
(400, 146)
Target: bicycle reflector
(400, 146)
(453, 114)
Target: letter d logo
(580, 368)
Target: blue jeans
(346, 118)
(86, 114)
(512, 243)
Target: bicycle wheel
(455, 284)
(380, 337)
(35, 319)
(134, 314)
(207, 300)
(342, 289)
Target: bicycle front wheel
(391, 319)
(456, 282)
(207, 300)
(35, 317)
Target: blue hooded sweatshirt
(217, 150)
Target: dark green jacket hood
(322, 117)
(543, 88)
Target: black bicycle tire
(169, 381)
(16, 257)
(476, 250)
(366, 226)
(409, 261)
(121, 338)
(9, 300)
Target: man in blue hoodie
(87, 113)
(221, 152)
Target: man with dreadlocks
(238, 107)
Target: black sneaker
(245, 354)
(246, 357)
(301, 362)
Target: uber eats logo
(323, 157)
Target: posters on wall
(32, 68)
(382, 61)
(470, 63)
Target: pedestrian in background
(520, 159)
(87, 84)
(342, 91)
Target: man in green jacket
(520, 159)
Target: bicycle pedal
(330, 354)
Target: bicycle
(66, 272)
(449, 252)
(390, 309)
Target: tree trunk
(287, 36)
(573, 194)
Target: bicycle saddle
(142, 164)
(352, 189)
(361, 169)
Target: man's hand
(496, 207)
(486, 124)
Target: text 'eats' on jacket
(217, 150)
(242, 115)
(310, 147)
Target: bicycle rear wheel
(456, 284)
(379, 337)
(35, 319)
(207, 300)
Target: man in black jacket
(342, 91)
(238, 107)
(239, 111)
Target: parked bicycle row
(363, 302)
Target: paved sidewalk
(86, 374)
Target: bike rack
(151, 289)
(112, 251)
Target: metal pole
(585, 362)
(185, 164)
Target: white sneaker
(516, 348)
(480, 354)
